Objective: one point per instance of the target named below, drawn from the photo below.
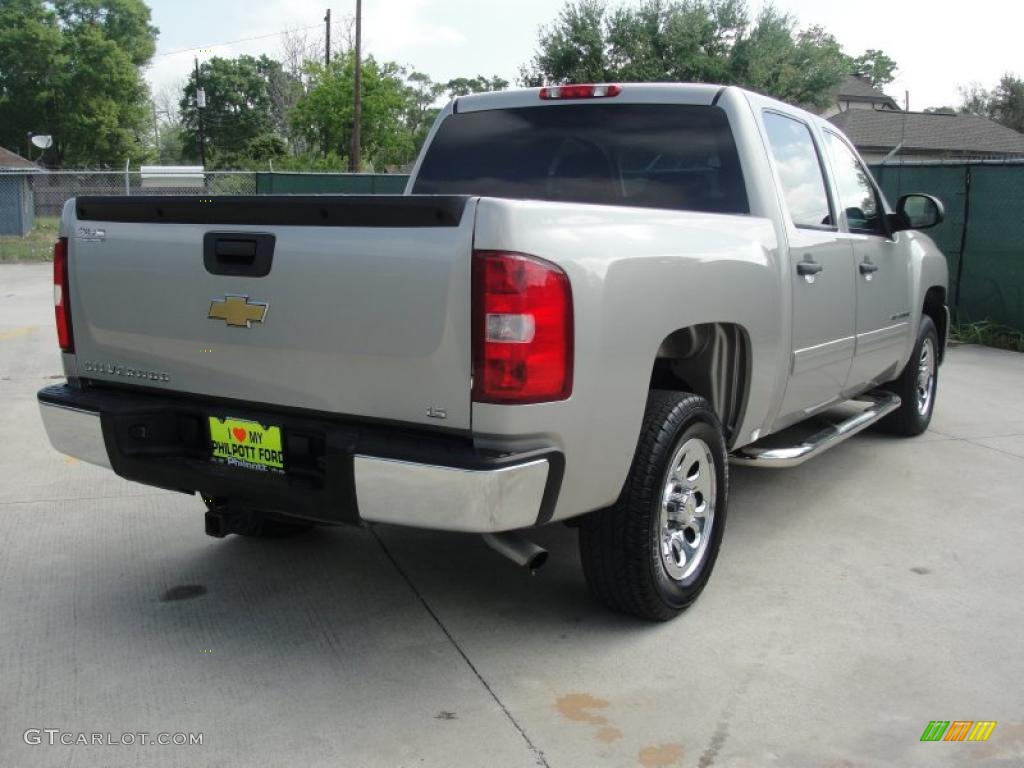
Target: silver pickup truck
(590, 300)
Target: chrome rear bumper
(448, 498)
(75, 432)
(464, 491)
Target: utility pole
(200, 104)
(357, 111)
(327, 47)
(156, 133)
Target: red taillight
(560, 92)
(522, 329)
(62, 296)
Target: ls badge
(238, 311)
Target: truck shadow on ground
(338, 586)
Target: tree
(72, 69)
(1004, 103)
(463, 86)
(573, 49)
(693, 41)
(798, 66)
(323, 115)
(1008, 102)
(244, 102)
(975, 100)
(399, 107)
(875, 66)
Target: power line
(233, 42)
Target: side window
(800, 172)
(856, 193)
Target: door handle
(867, 268)
(238, 254)
(807, 268)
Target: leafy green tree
(876, 66)
(573, 49)
(692, 41)
(975, 100)
(463, 86)
(242, 105)
(1008, 102)
(397, 110)
(72, 69)
(1004, 103)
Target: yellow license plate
(246, 444)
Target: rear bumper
(338, 472)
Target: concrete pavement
(856, 598)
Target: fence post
(963, 239)
(127, 178)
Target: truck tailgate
(365, 310)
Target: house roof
(10, 161)
(928, 131)
(857, 87)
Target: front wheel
(916, 385)
(652, 552)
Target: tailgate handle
(238, 254)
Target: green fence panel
(946, 182)
(992, 279)
(982, 235)
(330, 183)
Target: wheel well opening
(711, 360)
(935, 308)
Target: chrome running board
(882, 404)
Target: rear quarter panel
(637, 275)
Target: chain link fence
(31, 201)
(54, 188)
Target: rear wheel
(916, 385)
(652, 552)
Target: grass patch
(989, 334)
(37, 245)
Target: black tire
(910, 419)
(621, 547)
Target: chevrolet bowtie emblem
(238, 311)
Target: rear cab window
(679, 157)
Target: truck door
(883, 323)
(821, 271)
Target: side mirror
(918, 211)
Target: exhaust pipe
(517, 548)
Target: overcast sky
(937, 45)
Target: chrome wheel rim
(925, 386)
(687, 509)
